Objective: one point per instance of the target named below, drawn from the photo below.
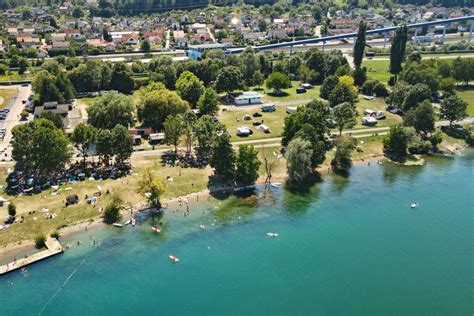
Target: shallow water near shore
(346, 246)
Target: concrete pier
(53, 248)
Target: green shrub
(55, 234)
(40, 241)
(112, 211)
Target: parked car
(256, 114)
(256, 123)
(380, 115)
(72, 199)
(268, 107)
(247, 117)
(265, 129)
(244, 131)
(300, 90)
(291, 109)
(307, 85)
(369, 121)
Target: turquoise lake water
(347, 246)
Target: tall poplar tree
(359, 46)
(397, 51)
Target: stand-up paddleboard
(270, 234)
(173, 258)
(133, 221)
(155, 229)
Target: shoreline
(23, 247)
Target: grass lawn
(5, 96)
(190, 180)
(291, 95)
(377, 69)
(233, 118)
(376, 104)
(468, 95)
(14, 76)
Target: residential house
(153, 37)
(28, 41)
(72, 33)
(55, 37)
(345, 24)
(277, 33)
(130, 39)
(60, 45)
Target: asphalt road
(13, 118)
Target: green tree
(208, 103)
(112, 210)
(298, 159)
(223, 159)
(77, 12)
(277, 81)
(40, 146)
(56, 118)
(328, 85)
(395, 145)
(145, 46)
(307, 75)
(249, 65)
(397, 50)
(44, 86)
(104, 146)
(229, 79)
(344, 115)
(189, 87)
(309, 132)
(415, 95)
(453, 109)
(158, 105)
(150, 186)
(121, 78)
(247, 164)
(206, 131)
(122, 143)
(110, 110)
(342, 158)
(173, 128)
(341, 94)
(23, 65)
(83, 137)
(359, 46)
(463, 69)
(421, 118)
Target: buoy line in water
(59, 290)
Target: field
(377, 69)
(233, 118)
(376, 104)
(468, 95)
(291, 95)
(5, 96)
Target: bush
(380, 90)
(55, 234)
(40, 241)
(368, 86)
(470, 139)
(12, 210)
(392, 81)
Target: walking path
(53, 248)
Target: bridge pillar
(416, 33)
(471, 30)
(385, 36)
(324, 44)
(291, 50)
(444, 34)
